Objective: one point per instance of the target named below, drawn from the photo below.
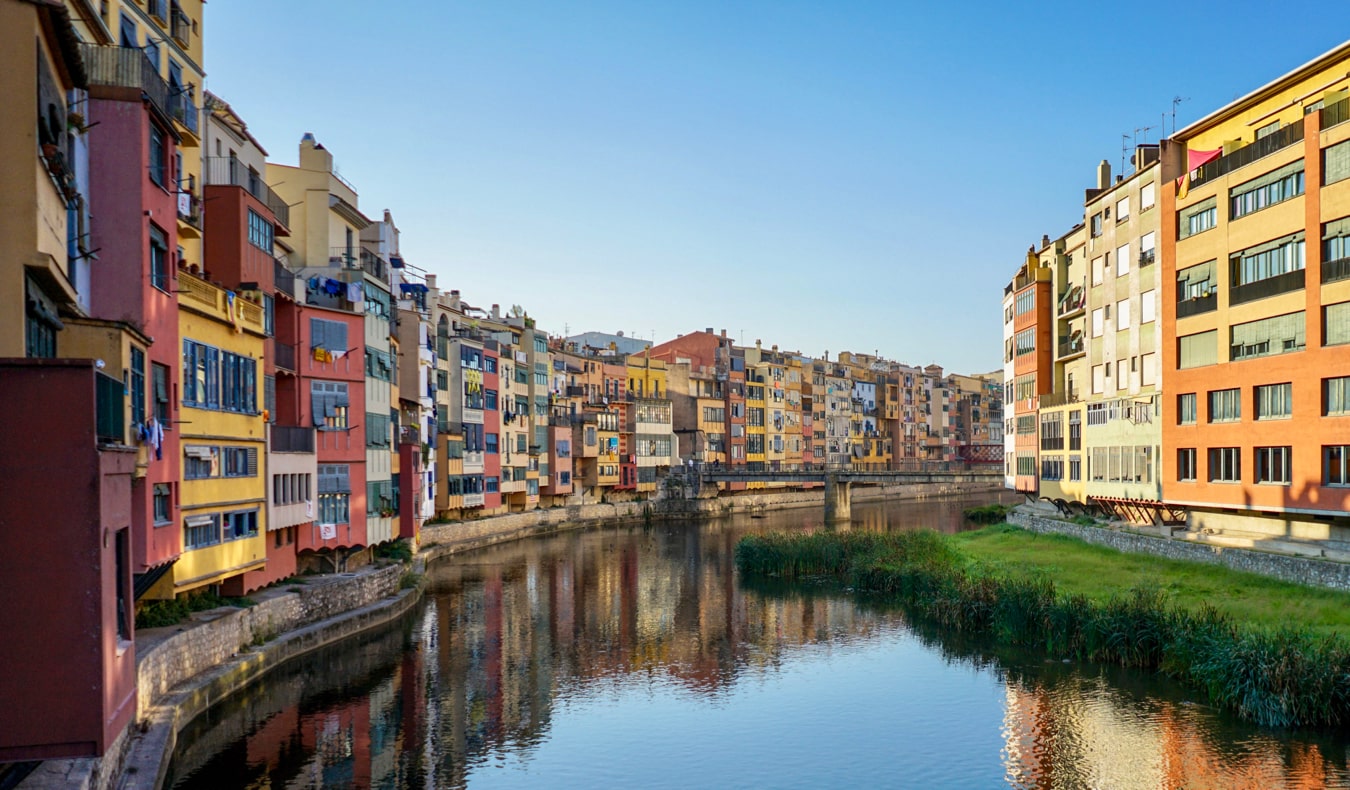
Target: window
(1098, 268)
(1336, 248)
(1096, 225)
(490, 442)
(1052, 431)
(1097, 322)
(127, 33)
(200, 462)
(269, 315)
(159, 375)
(201, 531)
(334, 493)
(1268, 190)
(330, 336)
(1075, 430)
(239, 383)
(489, 364)
(1186, 464)
(1196, 281)
(159, 165)
(240, 461)
(1336, 162)
(1198, 218)
(1075, 468)
(1225, 405)
(1336, 396)
(1272, 465)
(137, 387)
(1123, 314)
(1147, 196)
(1025, 301)
(1280, 334)
(1052, 467)
(1098, 379)
(1336, 324)
(1026, 465)
(1025, 342)
(377, 430)
(1274, 401)
(1148, 307)
(240, 524)
(259, 232)
(1148, 252)
(159, 259)
(1123, 209)
(163, 504)
(1199, 349)
(490, 400)
(329, 404)
(1122, 260)
(1268, 260)
(1335, 469)
(1225, 465)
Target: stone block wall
(1299, 570)
(225, 632)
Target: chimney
(1104, 175)
(496, 312)
(1145, 155)
(724, 334)
(708, 330)
(1045, 241)
(758, 344)
(454, 299)
(775, 349)
(431, 282)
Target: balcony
(292, 439)
(1338, 269)
(205, 298)
(1277, 141)
(283, 354)
(1197, 305)
(125, 67)
(283, 278)
(1073, 301)
(184, 111)
(360, 258)
(189, 214)
(181, 27)
(1270, 286)
(1070, 346)
(230, 171)
(1147, 257)
(1336, 113)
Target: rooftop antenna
(1123, 149)
(1175, 101)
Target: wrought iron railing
(292, 439)
(231, 171)
(125, 67)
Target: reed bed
(1286, 676)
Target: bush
(159, 614)
(986, 514)
(399, 550)
(409, 579)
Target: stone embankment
(1308, 571)
(183, 670)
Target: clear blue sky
(821, 175)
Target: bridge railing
(816, 471)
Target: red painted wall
(67, 682)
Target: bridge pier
(838, 500)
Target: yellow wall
(210, 324)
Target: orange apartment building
(1033, 359)
(1256, 309)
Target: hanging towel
(332, 287)
(355, 292)
(156, 437)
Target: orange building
(1256, 309)
(1033, 358)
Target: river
(635, 657)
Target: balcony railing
(1197, 305)
(190, 208)
(1070, 346)
(1338, 269)
(1336, 113)
(181, 27)
(231, 171)
(292, 439)
(1271, 286)
(360, 258)
(1074, 299)
(125, 67)
(1147, 257)
(1281, 139)
(284, 356)
(283, 278)
(110, 410)
(1060, 398)
(183, 110)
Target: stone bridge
(839, 481)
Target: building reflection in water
(509, 634)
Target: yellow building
(223, 490)
(653, 426)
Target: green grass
(1098, 573)
(1258, 655)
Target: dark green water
(635, 657)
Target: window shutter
(318, 402)
(339, 397)
(252, 462)
(317, 335)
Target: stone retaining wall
(1299, 570)
(196, 650)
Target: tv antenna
(1175, 101)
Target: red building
(67, 529)
(134, 200)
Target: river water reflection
(634, 657)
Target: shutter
(252, 462)
(1337, 325)
(1336, 162)
(318, 402)
(317, 335)
(337, 336)
(339, 397)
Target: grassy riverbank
(1224, 632)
